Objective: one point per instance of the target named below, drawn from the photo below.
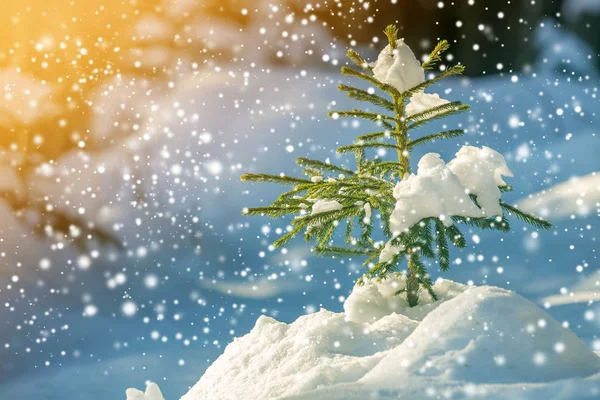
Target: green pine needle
(441, 135)
(322, 165)
(454, 70)
(274, 212)
(341, 251)
(435, 113)
(352, 147)
(443, 251)
(358, 60)
(526, 217)
(363, 95)
(382, 86)
(435, 55)
(272, 178)
(374, 136)
(391, 31)
(288, 236)
(371, 116)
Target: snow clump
(152, 393)
(398, 67)
(422, 101)
(433, 192)
(481, 171)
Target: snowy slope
(577, 197)
(481, 341)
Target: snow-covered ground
(474, 342)
(196, 274)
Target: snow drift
(152, 393)
(474, 341)
(579, 196)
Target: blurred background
(125, 126)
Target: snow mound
(374, 300)
(277, 360)
(152, 393)
(487, 335)
(473, 341)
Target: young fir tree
(332, 197)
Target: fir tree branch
(359, 156)
(367, 230)
(272, 178)
(428, 285)
(341, 251)
(453, 70)
(485, 223)
(435, 55)
(382, 86)
(382, 269)
(370, 259)
(349, 230)
(274, 212)
(441, 135)
(358, 60)
(363, 95)
(436, 113)
(423, 276)
(526, 217)
(288, 236)
(371, 116)
(443, 251)
(455, 236)
(352, 147)
(374, 136)
(322, 165)
(327, 234)
(357, 74)
(452, 106)
(327, 216)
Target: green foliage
(435, 55)
(440, 135)
(367, 191)
(391, 31)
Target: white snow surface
(152, 393)
(398, 67)
(422, 101)
(483, 342)
(433, 192)
(579, 196)
(481, 171)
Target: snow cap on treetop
(398, 67)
